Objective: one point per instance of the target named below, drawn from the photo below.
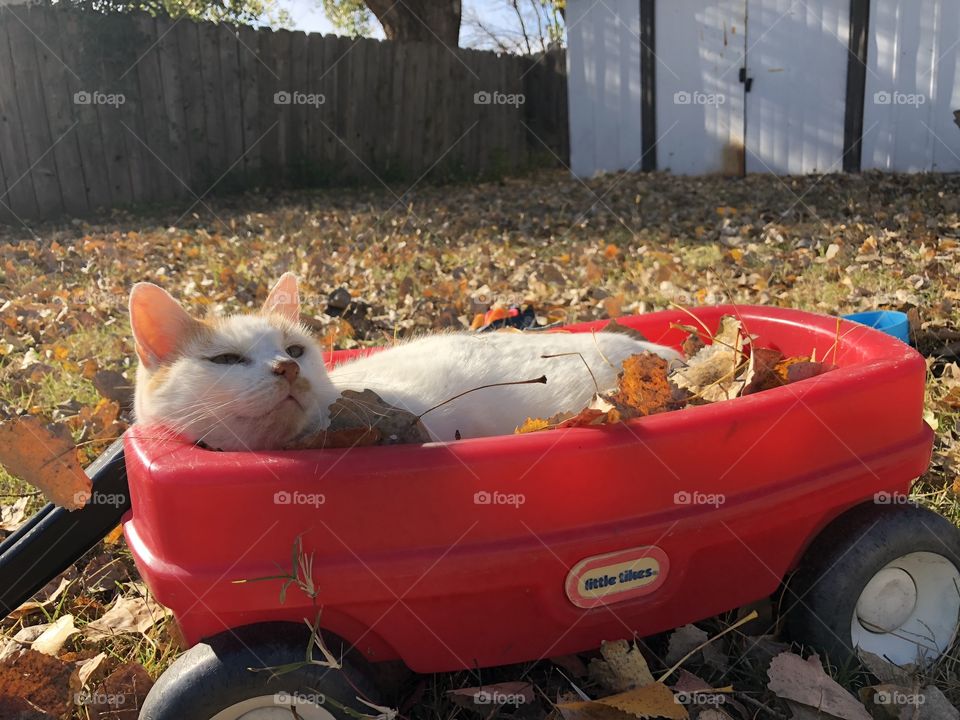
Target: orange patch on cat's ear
(161, 327)
(284, 299)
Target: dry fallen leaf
(13, 515)
(129, 614)
(642, 386)
(368, 410)
(803, 370)
(120, 696)
(885, 671)
(712, 374)
(54, 636)
(114, 386)
(45, 457)
(532, 425)
(45, 681)
(649, 701)
(805, 682)
(682, 641)
(761, 373)
(91, 668)
(614, 326)
(623, 667)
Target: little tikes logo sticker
(617, 576)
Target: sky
(308, 15)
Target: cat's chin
(271, 430)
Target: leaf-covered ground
(376, 264)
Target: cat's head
(243, 382)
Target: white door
(911, 113)
(699, 53)
(603, 81)
(797, 59)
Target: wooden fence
(103, 111)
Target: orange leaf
(643, 386)
(45, 457)
(783, 366)
(532, 425)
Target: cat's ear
(160, 325)
(284, 299)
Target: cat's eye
(295, 351)
(227, 359)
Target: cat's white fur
(423, 373)
(250, 406)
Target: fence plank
(317, 135)
(58, 103)
(268, 84)
(231, 102)
(209, 37)
(158, 155)
(77, 57)
(37, 140)
(299, 90)
(199, 174)
(174, 105)
(281, 58)
(249, 58)
(16, 163)
(124, 133)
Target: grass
(652, 241)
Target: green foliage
(350, 17)
(239, 12)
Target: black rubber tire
(214, 675)
(843, 559)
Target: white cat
(250, 382)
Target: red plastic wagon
(499, 550)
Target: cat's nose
(288, 368)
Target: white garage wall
(699, 95)
(603, 76)
(797, 55)
(913, 86)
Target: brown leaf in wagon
(731, 366)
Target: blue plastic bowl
(888, 321)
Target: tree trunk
(419, 20)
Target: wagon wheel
(882, 578)
(214, 681)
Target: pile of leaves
(730, 366)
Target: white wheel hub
(276, 707)
(909, 610)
